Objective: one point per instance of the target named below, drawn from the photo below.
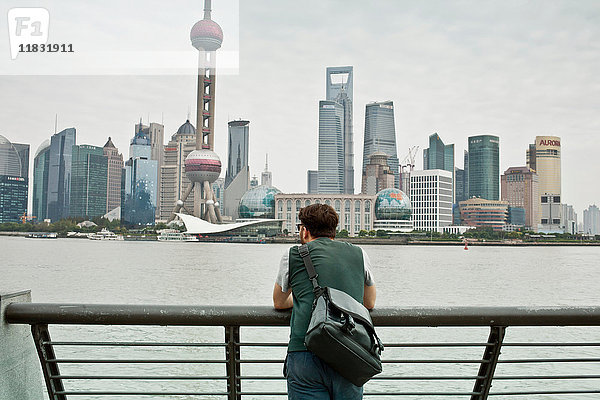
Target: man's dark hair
(320, 219)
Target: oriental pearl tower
(203, 166)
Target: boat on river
(105, 234)
(173, 235)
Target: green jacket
(339, 265)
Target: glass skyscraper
(59, 174)
(41, 167)
(139, 183)
(237, 156)
(331, 148)
(484, 167)
(380, 135)
(89, 171)
(339, 88)
(14, 170)
(439, 156)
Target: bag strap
(310, 268)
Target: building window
(306, 203)
(338, 206)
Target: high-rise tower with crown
(203, 166)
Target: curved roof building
(258, 202)
(10, 161)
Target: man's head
(320, 220)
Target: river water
(85, 271)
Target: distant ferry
(42, 235)
(105, 234)
(173, 235)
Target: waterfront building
(173, 181)
(218, 188)
(331, 148)
(519, 186)
(431, 199)
(483, 213)
(484, 167)
(569, 219)
(139, 183)
(340, 88)
(355, 211)
(460, 194)
(312, 185)
(544, 157)
(380, 135)
(113, 176)
(247, 230)
(405, 181)
(14, 182)
(156, 134)
(591, 220)
(258, 202)
(439, 156)
(266, 178)
(41, 166)
(89, 169)
(551, 214)
(59, 174)
(393, 211)
(378, 175)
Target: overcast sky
(514, 69)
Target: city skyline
(534, 93)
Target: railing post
(45, 351)
(232, 354)
(487, 368)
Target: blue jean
(309, 378)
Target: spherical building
(393, 211)
(206, 35)
(258, 202)
(202, 166)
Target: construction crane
(25, 218)
(409, 160)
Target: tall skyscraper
(380, 135)
(237, 155)
(113, 178)
(312, 181)
(520, 189)
(431, 199)
(378, 175)
(331, 148)
(59, 174)
(89, 169)
(41, 167)
(156, 134)
(484, 167)
(174, 181)
(591, 220)
(139, 183)
(439, 156)
(544, 155)
(14, 170)
(237, 177)
(203, 166)
(340, 88)
(266, 178)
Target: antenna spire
(266, 162)
(207, 9)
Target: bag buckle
(349, 324)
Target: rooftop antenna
(55, 123)
(207, 7)
(266, 162)
(189, 112)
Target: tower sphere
(202, 165)
(206, 35)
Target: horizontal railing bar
(127, 314)
(438, 344)
(135, 377)
(550, 344)
(530, 393)
(132, 344)
(541, 377)
(98, 393)
(549, 360)
(434, 361)
(374, 393)
(147, 361)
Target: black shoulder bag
(341, 332)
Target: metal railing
(232, 318)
